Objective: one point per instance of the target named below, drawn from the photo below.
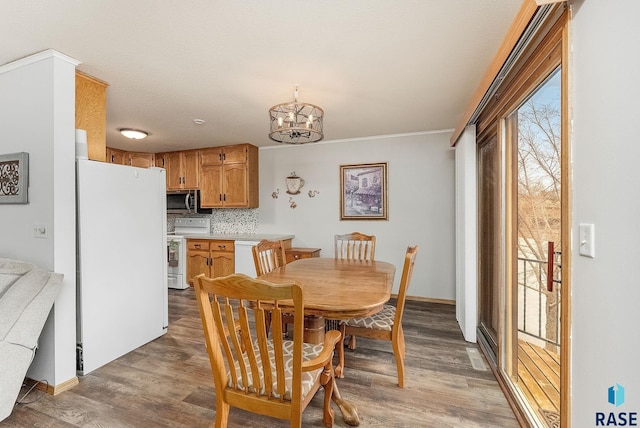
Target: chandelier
(295, 122)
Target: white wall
(37, 115)
(421, 202)
(606, 176)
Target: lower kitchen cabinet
(214, 258)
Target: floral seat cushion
(383, 320)
(309, 351)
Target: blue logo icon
(616, 395)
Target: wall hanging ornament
(294, 184)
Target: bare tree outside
(539, 210)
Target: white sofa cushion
(27, 294)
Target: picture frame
(363, 192)
(14, 178)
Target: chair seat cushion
(309, 351)
(383, 320)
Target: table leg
(313, 329)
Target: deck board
(539, 376)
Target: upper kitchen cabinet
(183, 169)
(122, 157)
(116, 156)
(141, 160)
(91, 114)
(229, 177)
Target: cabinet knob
(197, 245)
(296, 256)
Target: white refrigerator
(121, 252)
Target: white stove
(177, 248)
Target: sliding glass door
(523, 218)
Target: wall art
(363, 192)
(14, 178)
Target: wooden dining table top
(338, 289)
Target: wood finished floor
(539, 378)
(167, 382)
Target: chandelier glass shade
(296, 122)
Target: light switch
(587, 240)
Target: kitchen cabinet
(229, 177)
(122, 157)
(214, 258)
(115, 156)
(297, 253)
(141, 160)
(183, 169)
(91, 114)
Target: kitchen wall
(421, 201)
(37, 116)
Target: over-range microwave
(185, 202)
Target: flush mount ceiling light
(134, 134)
(295, 122)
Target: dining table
(337, 289)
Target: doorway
(534, 138)
(523, 228)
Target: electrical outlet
(40, 231)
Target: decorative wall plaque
(14, 178)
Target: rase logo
(615, 396)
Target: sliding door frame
(547, 50)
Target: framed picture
(363, 192)
(14, 178)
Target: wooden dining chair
(267, 256)
(386, 324)
(352, 246)
(269, 376)
(355, 246)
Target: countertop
(241, 236)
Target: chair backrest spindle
(268, 255)
(355, 246)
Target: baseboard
(428, 300)
(57, 389)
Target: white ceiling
(376, 67)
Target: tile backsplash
(228, 220)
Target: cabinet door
(211, 156)
(211, 186)
(197, 263)
(191, 169)
(234, 183)
(141, 160)
(115, 156)
(160, 160)
(172, 163)
(234, 154)
(222, 263)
